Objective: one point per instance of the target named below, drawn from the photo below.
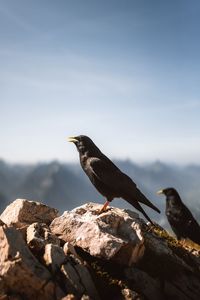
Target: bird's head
(83, 144)
(167, 192)
(171, 195)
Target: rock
(1, 223)
(176, 267)
(38, 235)
(3, 289)
(78, 280)
(149, 286)
(71, 280)
(87, 281)
(84, 255)
(113, 235)
(22, 213)
(11, 297)
(85, 297)
(131, 295)
(54, 257)
(161, 252)
(68, 249)
(69, 297)
(20, 270)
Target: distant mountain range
(65, 186)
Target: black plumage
(179, 216)
(107, 177)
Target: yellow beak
(72, 139)
(159, 192)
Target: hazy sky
(126, 73)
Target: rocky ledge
(84, 255)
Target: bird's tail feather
(139, 207)
(141, 198)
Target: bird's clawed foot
(103, 209)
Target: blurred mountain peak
(66, 184)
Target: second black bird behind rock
(179, 216)
(106, 177)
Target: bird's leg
(104, 206)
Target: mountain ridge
(66, 184)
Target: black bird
(179, 216)
(106, 177)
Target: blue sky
(126, 73)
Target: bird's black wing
(119, 182)
(110, 175)
(191, 226)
